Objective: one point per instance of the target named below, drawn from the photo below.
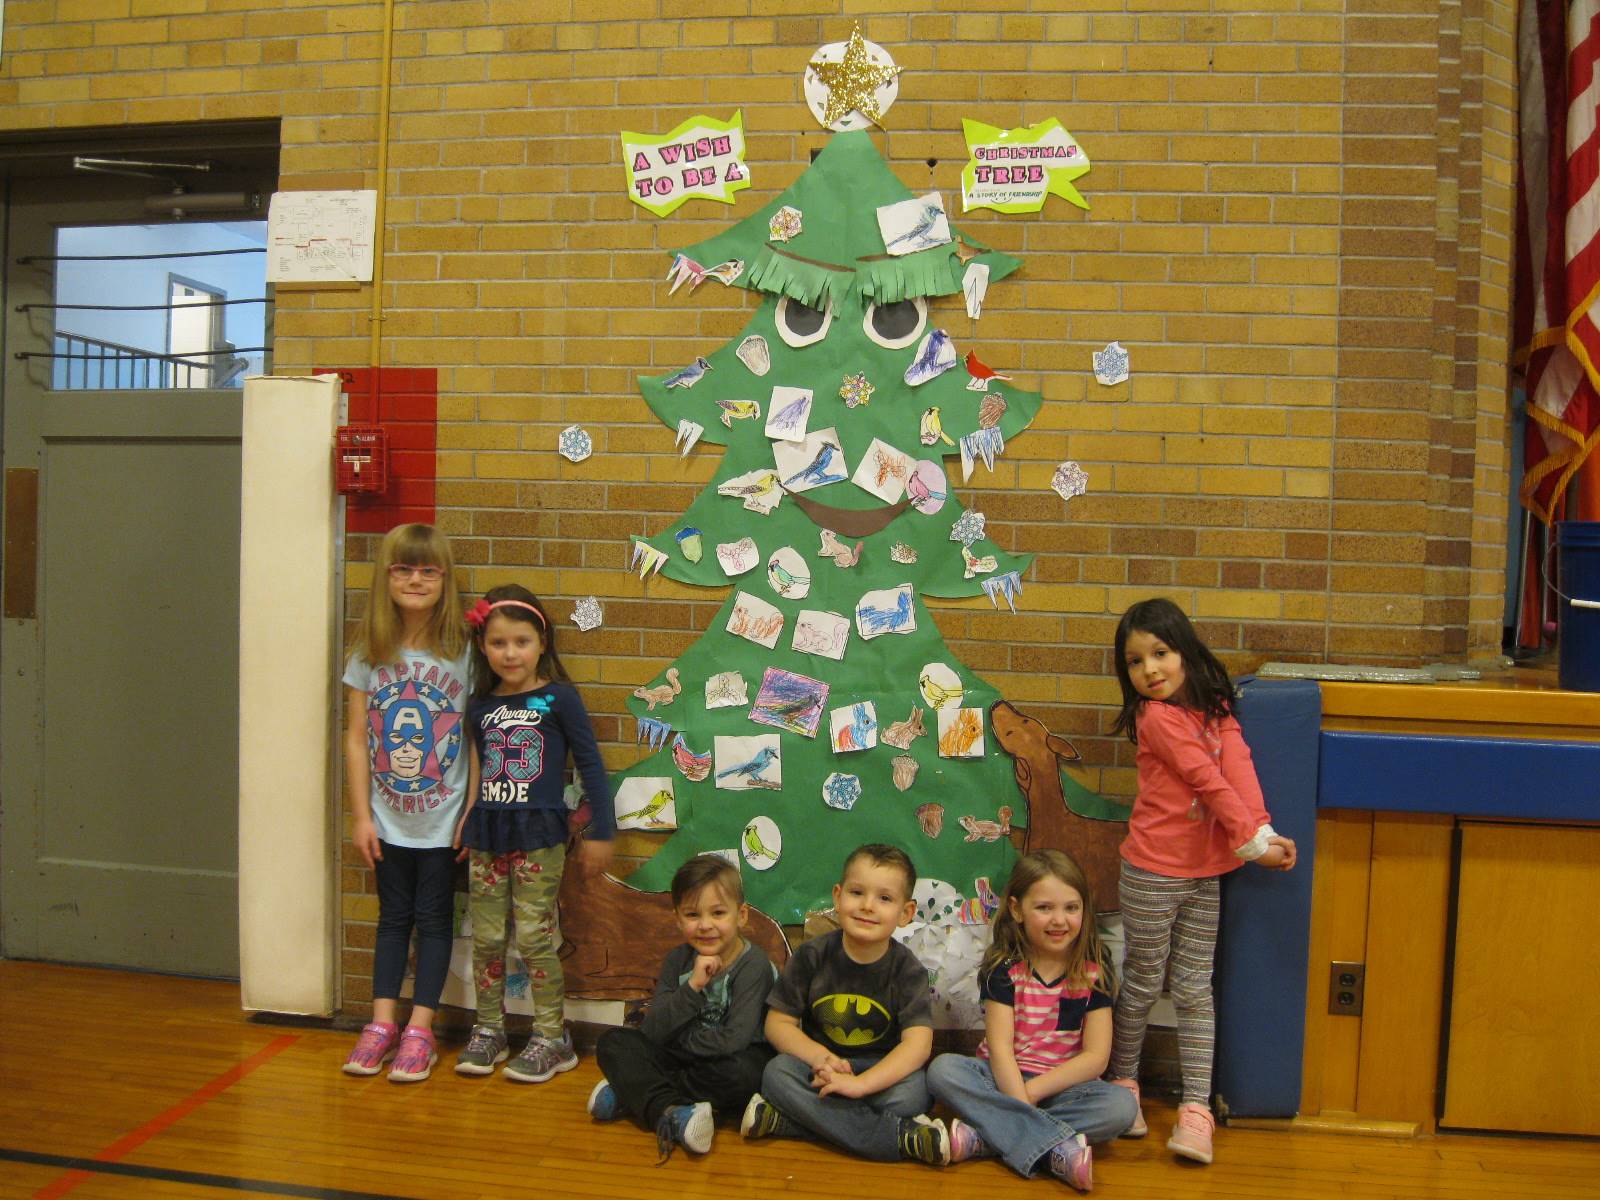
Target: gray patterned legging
(1170, 927)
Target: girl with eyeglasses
(406, 688)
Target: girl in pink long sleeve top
(1198, 815)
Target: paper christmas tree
(822, 708)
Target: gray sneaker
(486, 1049)
(541, 1059)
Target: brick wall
(1300, 227)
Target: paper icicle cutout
(652, 732)
(646, 802)
(790, 702)
(575, 444)
(841, 791)
(987, 831)
(688, 434)
(788, 413)
(748, 762)
(1008, 585)
(935, 355)
(968, 528)
(912, 225)
(1070, 480)
(760, 843)
(974, 287)
(727, 690)
(1111, 364)
(854, 727)
(687, 377)
(662, 693)
(755, 620)
(588, 614)
(753, 353)
(980, 443)
(890, 610)
(961, 733)
(685, 270)
(842, 555)
(785, 224)
(694, 767)
(758, 489)
(647, 559)
(825, 634)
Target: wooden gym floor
(117, 1085)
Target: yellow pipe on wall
(386, 70)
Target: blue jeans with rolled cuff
(868, 1127)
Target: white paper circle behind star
(761, 843)
(817, 91)
(788, 573)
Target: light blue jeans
(868, 1127)
(1021, 1133)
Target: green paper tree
(876, 310)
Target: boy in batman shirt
(852, 1021)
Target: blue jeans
(1021, 1133)
(869, 1127)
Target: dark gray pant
(649, 1079)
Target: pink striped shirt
(1047, 1018)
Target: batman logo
(850, 1020)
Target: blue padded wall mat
(1469, 776)
(1262, 949)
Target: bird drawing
(785, 581)
(978, 369)
(821, 470)
(649, 815)
(686, 377)
(933, 428)
(976, 565)
(685, 270)
(754, 847)
(750, 771)
(791, 418)
(920, 236)
(936, 694)
(919, 491)
(695, 767)
(754, 489)
(842, 555)
(738, 410)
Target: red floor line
(131, 1141)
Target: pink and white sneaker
(374, 1047)
(1138, 1129)
(413, 1062)
(1072, 1162)
(1191, 1136)
(966, 1142)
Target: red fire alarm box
(361, 459)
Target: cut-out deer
(1038, 756)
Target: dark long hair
(1008, 945)
(1206, 686)
(483, 677)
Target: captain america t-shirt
(416, 746)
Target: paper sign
(321, 237)
(1013, 170)
(702, 158)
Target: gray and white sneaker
(542, 1059)
(486, 1049)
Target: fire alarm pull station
(361, 459)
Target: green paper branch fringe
(811, 283)
(935, 272)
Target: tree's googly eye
(800, 325)
(895, 326)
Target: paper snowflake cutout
(1070, 480)
(968, 529)
(588, 614)
(785, 224)
(575, 445)
(855, 390)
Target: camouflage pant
(523, 885)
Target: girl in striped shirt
(1034, 1095)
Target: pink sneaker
(374, 1047)
(1191, 1136)
(966, 1143)
(417, 1054)
(1072, 1162)
(1138, 1128)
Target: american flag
(1556, 324)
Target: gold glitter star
(853, 83)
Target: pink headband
(478, 614)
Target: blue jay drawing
(821, 470)
(750, 771)
(687, 376)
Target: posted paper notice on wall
(321, 237)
